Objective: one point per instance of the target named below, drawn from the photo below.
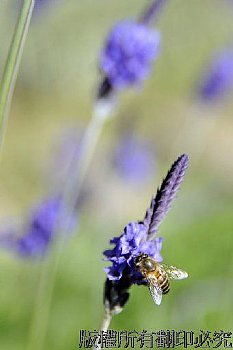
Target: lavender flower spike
(161, 203)
(39, 229)
(129, 51)
(138, 239)
(217, 81)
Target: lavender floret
(130, 244)
(39, 229)
(217, 81)
(128, 54)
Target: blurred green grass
(54, 91)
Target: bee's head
(139, 259)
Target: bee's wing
(174, 273)
(155, 290)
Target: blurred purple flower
(41, 5)
(218, 77)
(39, 229)
(128, 53)
(134, 160)
(137, 237)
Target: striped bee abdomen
(163, 281)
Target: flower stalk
(70, 196)
(104, 327)
(101, 114)
(151, 12)
(12, 64)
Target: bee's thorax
(149, 267)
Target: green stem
(78, 171)
(12, 63)
(70, 193)
(104, 327)
(43, 301)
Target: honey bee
(157, 275)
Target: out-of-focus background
(53, 101)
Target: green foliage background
(54, 91)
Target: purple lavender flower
(137, 238)
(133, 159)
(128, 53)
(130, 244)
(39, 229)
(218, 78)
